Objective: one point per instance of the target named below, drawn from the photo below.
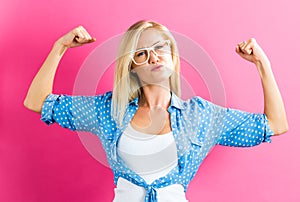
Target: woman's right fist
(76, 37)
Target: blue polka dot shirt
(197, 125)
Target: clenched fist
(251, 51)
(76, 37)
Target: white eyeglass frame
(148, 51)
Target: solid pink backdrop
(41, 163)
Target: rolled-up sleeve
(72, 112)
(242, 129)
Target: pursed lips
(156, 67)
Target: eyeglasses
(141, 56)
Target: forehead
(149, 37)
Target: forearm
(273, 103)
(42, 83)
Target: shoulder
(202, 105)
(200, 102)
(191, 103)
(105, 97)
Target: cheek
(169, 60)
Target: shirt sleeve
(72, 112)
(241, 129)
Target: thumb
(92, 40)
(242, 54)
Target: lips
(156, 67)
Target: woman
(154, 141)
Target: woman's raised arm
(273, 103)
(42, 84)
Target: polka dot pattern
(197, 125)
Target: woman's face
(159, 66)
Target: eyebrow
(147, 47)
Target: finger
(89, 41)
(243, 44)
(249, 47)
(246, 47)
(241, 49)
(85, 33)
(92, 40)
(242, 55)
(82, 39)
(78, 36)
(87, 38)
(238, 49)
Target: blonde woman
(154, 141)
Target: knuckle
(76, 30)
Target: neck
(155, 96)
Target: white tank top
(152, 157)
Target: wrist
(59, 48)
(263, 67)
(261, 59)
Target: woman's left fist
(251, 51)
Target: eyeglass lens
(141, 56)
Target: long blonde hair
(126, 84)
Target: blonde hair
(126, 85)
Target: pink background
(41, 163)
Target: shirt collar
(175, 102)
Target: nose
(153, 58)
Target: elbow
(279, 126)
(31, 106)
(281, 130)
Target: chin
(161, 80)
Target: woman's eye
(140, 54)
(159, 47)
